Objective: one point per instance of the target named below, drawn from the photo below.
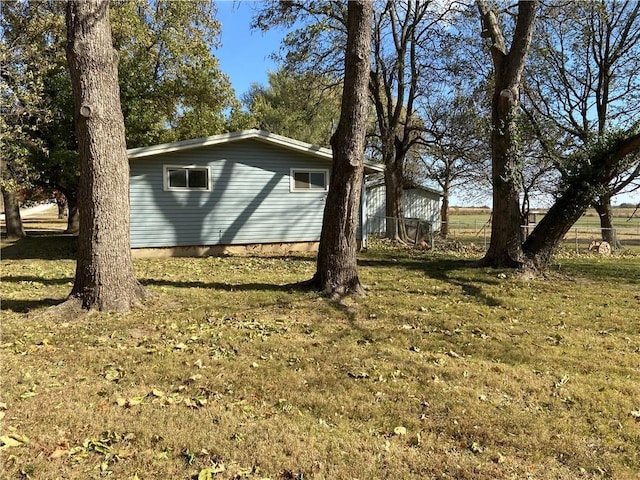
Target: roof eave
(260, 135)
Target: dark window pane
(318, 180)
(301, 179)
(177, 178)
(198, 178)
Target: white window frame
(292, 177)
(165, 177)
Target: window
(186, 178)
(309, 180)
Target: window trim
(292, 178)
(168, 188)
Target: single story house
(249, 190)
(419, 203)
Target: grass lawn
(442, 371)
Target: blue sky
(244, 55)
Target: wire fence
(477, 234)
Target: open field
(624, 217)
(472, 225)
(443, 371)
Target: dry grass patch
(443, 371)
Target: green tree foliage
(170, 83)
(25, 110)
(301, 106)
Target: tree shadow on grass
(26, 306)
(44, 281)
(46, 246)
(448, 270)
(615, 270)
(229, 287)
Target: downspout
(364, 216)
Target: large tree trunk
(394, 211)
(73, 212)
(337, 270)
(12, 218)
(549, 232)
(505, 247)
(605, 213)
(105, 278)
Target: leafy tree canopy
(301, 106)
(170, 83)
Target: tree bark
(73, 212)
(549, 232)
(12, 218)
(444, 211)
(337, 270)
(62, 204)
(605, 213)
(394, 194)
(105, 278)
(505, 247)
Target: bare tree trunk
(12, 218)
(505, 247)
(61, 203)
(394, 211)
(605, 212)
(73, 213)
(337, 269)
(549, 232)
(444, 212)
(105, 278)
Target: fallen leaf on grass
(12, 440)
(400, 431)
(561, 382)
(635, 414)
(59, 453)
(112, 374)
(134, 401)
(209, 472)
(28, 394)
(475, 447)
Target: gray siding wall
(249, 201)
(416, 204)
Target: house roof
(260, 135)
(408, 185)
